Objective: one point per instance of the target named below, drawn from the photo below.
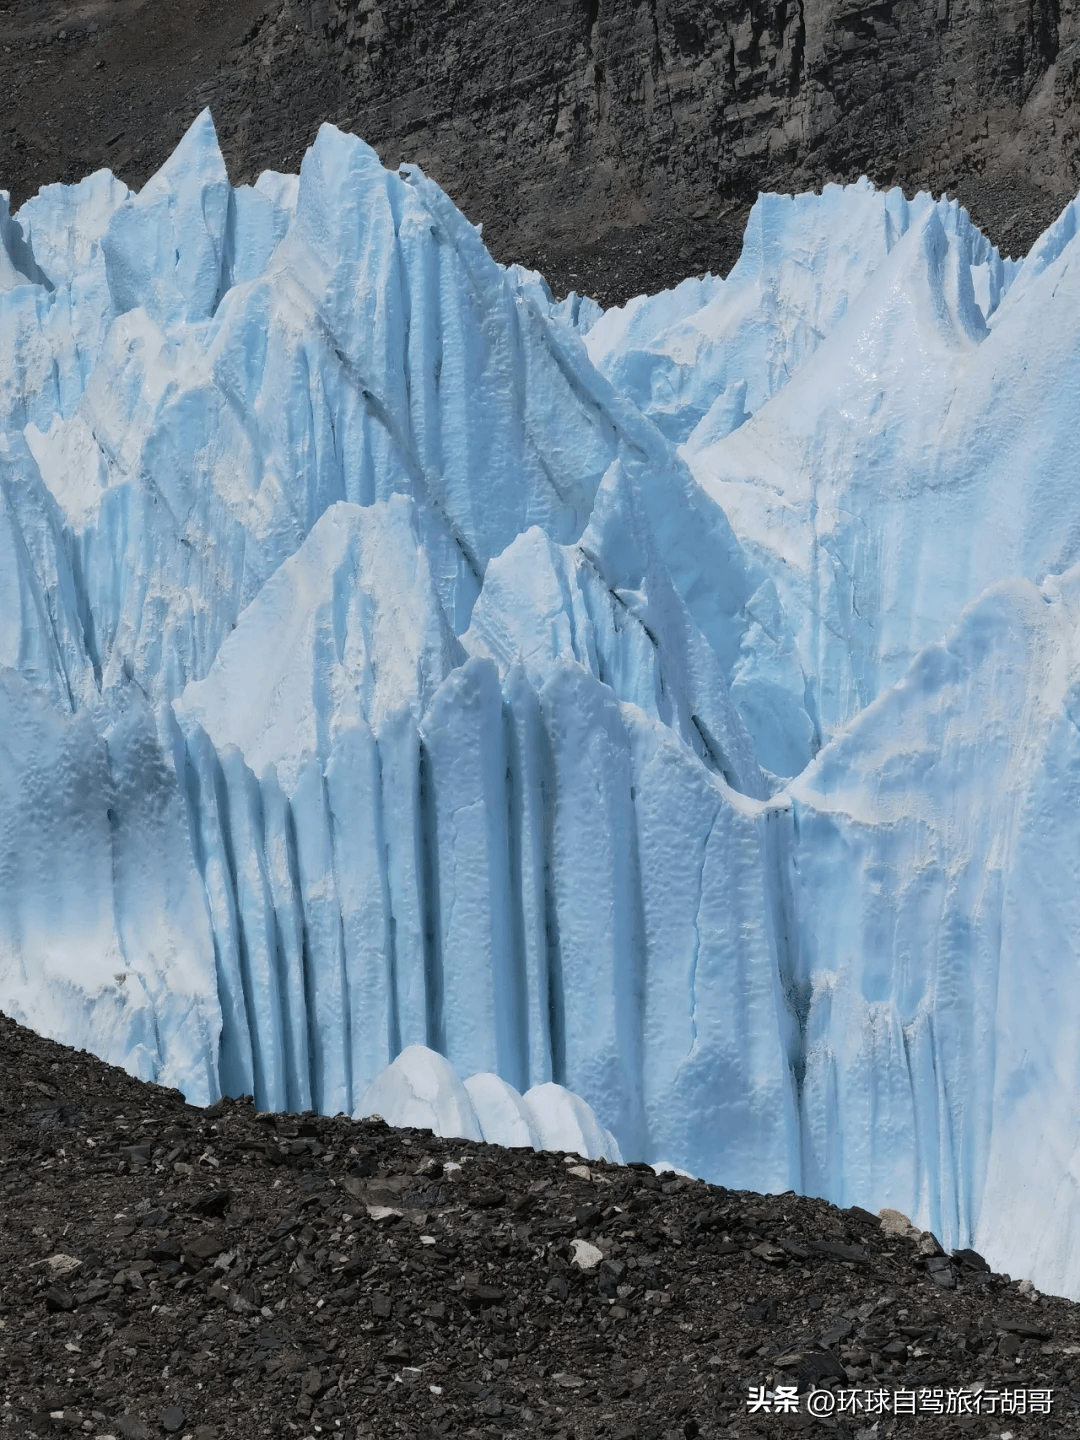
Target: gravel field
(219, 1273)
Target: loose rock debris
(218, 1273)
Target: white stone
(586, 1255)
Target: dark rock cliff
(616, 146)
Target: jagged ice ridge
(669, 711)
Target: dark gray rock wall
(614, 145)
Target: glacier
(663, 718)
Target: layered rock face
(616, 147)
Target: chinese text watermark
(928, 1400)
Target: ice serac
(308, 819)
(164, 247)
(714, 351)
(664, 718)
(476, 854)
(933, 876)
(915, 462)
(609, 604)
(368, 798)
(343, 338)
(578, 312)
(348, 631)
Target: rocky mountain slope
(218, 1274)
(614, 147)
